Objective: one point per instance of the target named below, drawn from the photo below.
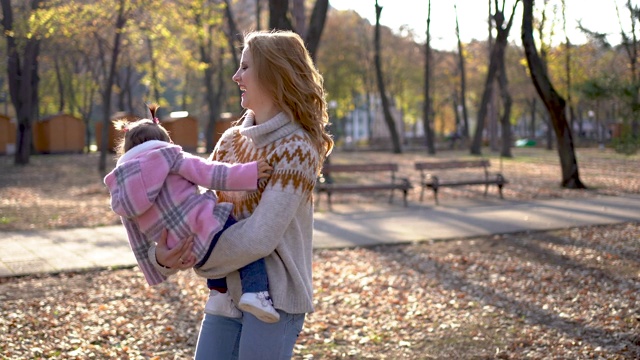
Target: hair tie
(156, 121)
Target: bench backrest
(457, 164)
(376, 167)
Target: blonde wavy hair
(286, 71)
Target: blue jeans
(247, 338)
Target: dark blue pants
(253, 276)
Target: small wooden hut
(183, 131)
(225, 121)
(61, 133)
(113, 137)
(7, 135)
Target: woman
(284, 123)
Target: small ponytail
(143, 130)
(153, 109)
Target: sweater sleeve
(261, 233)
(254, 237)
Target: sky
(597, 15)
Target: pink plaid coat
(155, 186)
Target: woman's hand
(180, 257)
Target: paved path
(349, 225)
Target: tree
(567, 64)
(388, 118)
(120, 21)
(463, 84)
(23, 50)
(496, 70)
(279, 19)
(428, 101)
(207, 22)
(554, 103)
(631, 46)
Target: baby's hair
(140, 131)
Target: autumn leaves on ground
(569, 294)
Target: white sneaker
(221, 304)
(260, 305)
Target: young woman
(284, 123)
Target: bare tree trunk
(279, 19)
(496, 65)
(60, 83)
(278, 15)
(532, 125)
(426, 107)
(235, 39)
(463, 84)
(205, 45)
(316, 26)
(300, 18)
(258, 14)
(23, 81)
(554, 103)
(233, 36)
(632, 48)
(505, 122)
(567, 65)
(155, 83)
(388, 118)
(121, 20)
(215, 105)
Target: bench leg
(391, 197)
(329, 200)
(500, 184)
(421, 192)
(435, 195)
(405, 197)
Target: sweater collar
(273, 129)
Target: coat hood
(139, 175)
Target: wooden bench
(430, 180)
(335, 179)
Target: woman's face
(253, 95)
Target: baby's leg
(255, 292)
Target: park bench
(430, 180)
(353, 178)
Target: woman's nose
(235, 77)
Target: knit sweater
(280, 225)
(155, 186)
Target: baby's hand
(264, 169)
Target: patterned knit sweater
(278, 225)
(155, 186)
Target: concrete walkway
(349, 225)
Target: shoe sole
(218, 313)
(260, 313)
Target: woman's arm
(288, 192)
(254, 237)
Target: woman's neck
(263, 115)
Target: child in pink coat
(155, 186)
